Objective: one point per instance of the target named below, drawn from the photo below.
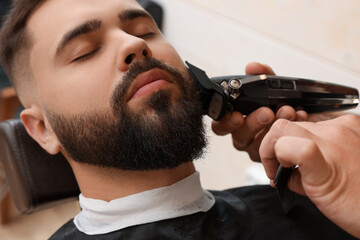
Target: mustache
(118, 95)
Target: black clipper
(246, 93)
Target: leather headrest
(36, 179)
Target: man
(101, 85)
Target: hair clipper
(246, 93)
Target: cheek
(167, 53)
(82, 90)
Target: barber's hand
(247, 132)
(328, 156)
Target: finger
(253, 148)
(254, 122)
(305, 153)
(272, 183)
(279, 129)
(295, 183)
(289, 113)
(301, 115)
(286, 112)
(255, 68)
(228, 124)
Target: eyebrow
(95, 24)
(132, 14)
(85, 28)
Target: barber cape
(185, 211)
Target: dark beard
(171, 134)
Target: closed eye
(146, 35)
(86, 56)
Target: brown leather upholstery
(36, 179)
(9, 104)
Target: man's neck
(108, 184)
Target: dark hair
(14, 39)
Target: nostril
(130, 58)
(145, 53)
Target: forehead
(59, 11)
(55, 17)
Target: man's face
(79, 74)
(114, 90)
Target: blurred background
(316, 39)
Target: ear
(40, 130)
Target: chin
(161, 101)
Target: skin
(327, 153)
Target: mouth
(149, 82)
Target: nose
(132, 50)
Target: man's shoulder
(248, 191)
(250, 195)
(252, 212)
(265, 215)
(65, 232)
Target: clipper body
(246, 93)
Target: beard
(167, 132)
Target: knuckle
(254, 157)
(350, 119)
(219, 129)
(238, 145)
(340, 130)
(280, 124)
(241, 145)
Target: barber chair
(36, 179)
(9, 104)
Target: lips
(148, 82)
